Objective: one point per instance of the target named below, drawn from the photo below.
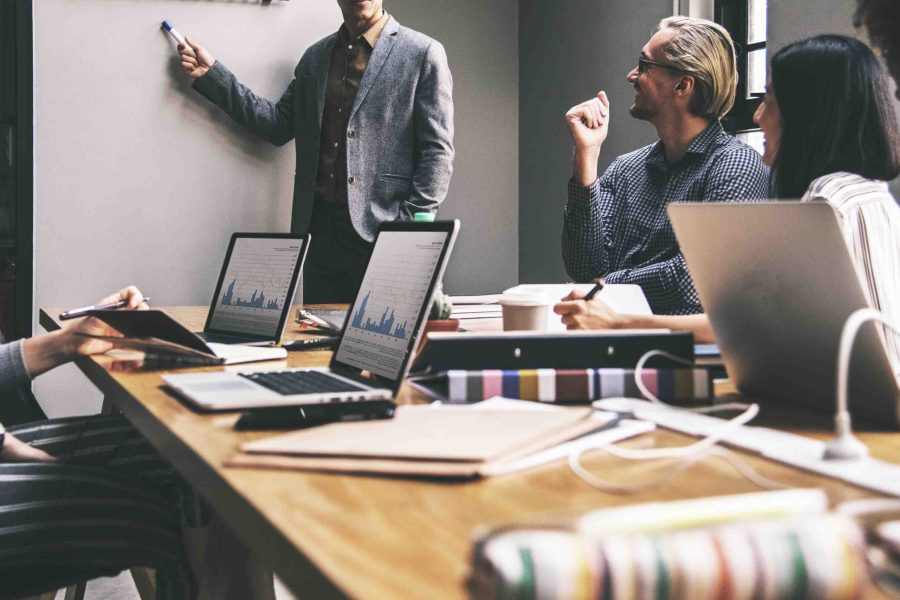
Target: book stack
(566, 386)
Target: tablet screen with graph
(395, 296)
(257, 283)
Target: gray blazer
(400, 134)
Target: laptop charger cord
(844, 446)
(687, 455)
(684, 457)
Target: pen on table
(594, 290)
(318, 321)
(80, 312)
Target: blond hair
(705, 50)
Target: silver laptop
(377, 340)
(778, 282)
(256, 288)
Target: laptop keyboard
(288, 383)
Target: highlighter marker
(178, 37)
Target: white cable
(694, 447)
(640, 367)
(867, 506)
(686, 455)
(844, 446)
(638, 380)
(714, 452)
(750, 411)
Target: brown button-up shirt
(348, 64)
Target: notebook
(495, 437)
(162, 337)
(373, 353)
(256, 288)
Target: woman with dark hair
(830, 135)
(827, 110)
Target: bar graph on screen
(254, 301)
(256, 284)
(392, 296)
(385, 326)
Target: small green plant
(441, 307)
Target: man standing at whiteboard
(370, 110)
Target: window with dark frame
(16, 169)
(745, 20)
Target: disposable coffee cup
(524, 311)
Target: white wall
(481, 38)
(566, 57)
(138, 179)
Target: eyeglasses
(644, 65)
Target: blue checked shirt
(618, 228)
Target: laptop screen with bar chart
(379, 335)
(394, 298)
(256, 286)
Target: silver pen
(80, 312)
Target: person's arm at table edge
(41, 353)
(576, 313)
(697, 324)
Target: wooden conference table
(340, 535)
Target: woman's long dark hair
(836, 113)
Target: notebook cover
(151, 324)
(158, 334)
(426, 433)
(161, 348)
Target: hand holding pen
(74, 313)
(578, 312)
(593, 291)
(575, 295)
(80, 338)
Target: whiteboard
(139, 179)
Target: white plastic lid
(524, 299)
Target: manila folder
(426, 441)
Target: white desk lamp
(845, 446)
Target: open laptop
(778, 282)
(256, 288)
(377, 340)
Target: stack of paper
(482, 299)
(622, 298)
(476, 307)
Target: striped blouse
(870, 220)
